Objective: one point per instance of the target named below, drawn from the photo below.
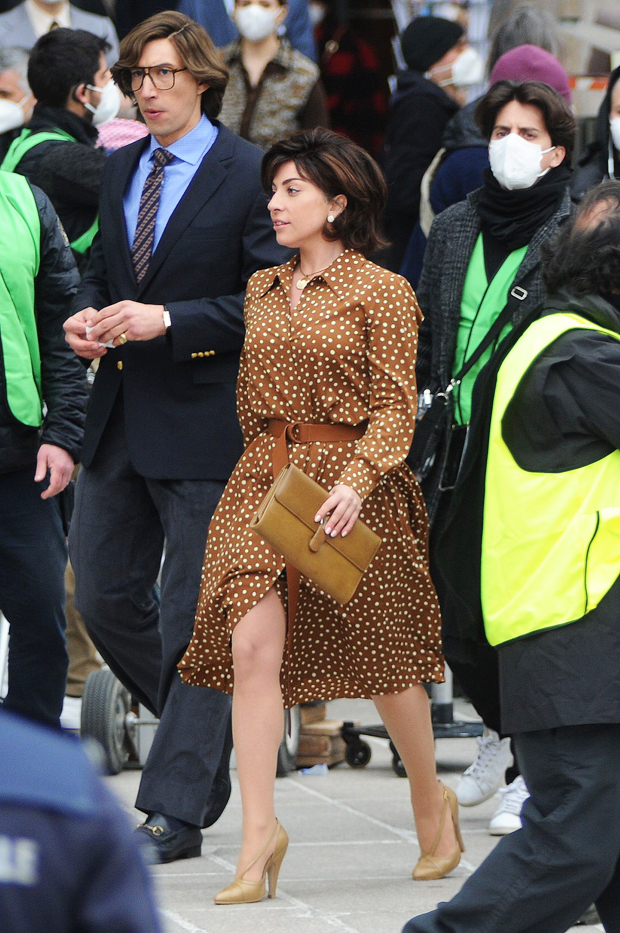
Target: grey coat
(16, 29)
(450, 245)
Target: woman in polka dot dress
(330, 339)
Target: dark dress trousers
(161, 440)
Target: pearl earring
(330, 218)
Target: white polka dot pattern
(345, 354)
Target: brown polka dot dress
(345, 354)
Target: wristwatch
(167, 321)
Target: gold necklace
(303, 281)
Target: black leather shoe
(167, 841)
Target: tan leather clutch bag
(285, 520)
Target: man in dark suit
(183, 224)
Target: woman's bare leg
(257, 719)
(407, 718)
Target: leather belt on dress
(299, 433)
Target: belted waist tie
(300, 433)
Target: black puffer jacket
(63, 376)
(593, 166)
(69, 173)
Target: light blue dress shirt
(188, 152)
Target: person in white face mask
(422, 104)
(69, 77)
(273, 89)
(16, 100)
(601, 160)
(483, 261)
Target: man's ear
(558, 156)
(79, 94)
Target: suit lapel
(23, 33)
(125, 170)
(210, 175)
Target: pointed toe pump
(430, 867)
(249, 892)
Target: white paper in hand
(108, 343)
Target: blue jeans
(33, 558)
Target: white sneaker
(507, 817)
(71, 713)
(484, 776)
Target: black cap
(427, 39)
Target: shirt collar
(41, 21)
(339, 277)
(189, 148)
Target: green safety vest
(550, 541)
(26, 141)
(20, 239)
(481, 304)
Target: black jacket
(419, 112)
(564, 414)
(593, 166)
(63, 377)
(179, 391)
(69, 173)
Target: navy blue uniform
(67, 857)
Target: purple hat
(529, 63)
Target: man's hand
(60, 465)
(75, 334)
(136, 321)
(345, 505)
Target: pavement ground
(351, 853)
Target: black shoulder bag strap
(422, 453)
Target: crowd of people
(206, 278)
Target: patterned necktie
(142, 248)
(53, 25)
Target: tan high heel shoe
(248, 892)
(431, 866)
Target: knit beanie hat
(529, 63)
(427, 39)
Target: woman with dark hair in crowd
(483, 256)
(330, 353)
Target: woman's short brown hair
(554, 109)
(197, 52)
(337, 166)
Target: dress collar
(340, 276)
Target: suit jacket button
(119, 365)
(194, 355)
(201, 353)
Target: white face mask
(515, 162)
(109, 103)
(614, 129)
(255, 23)
(466, 69)
(11, 114)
